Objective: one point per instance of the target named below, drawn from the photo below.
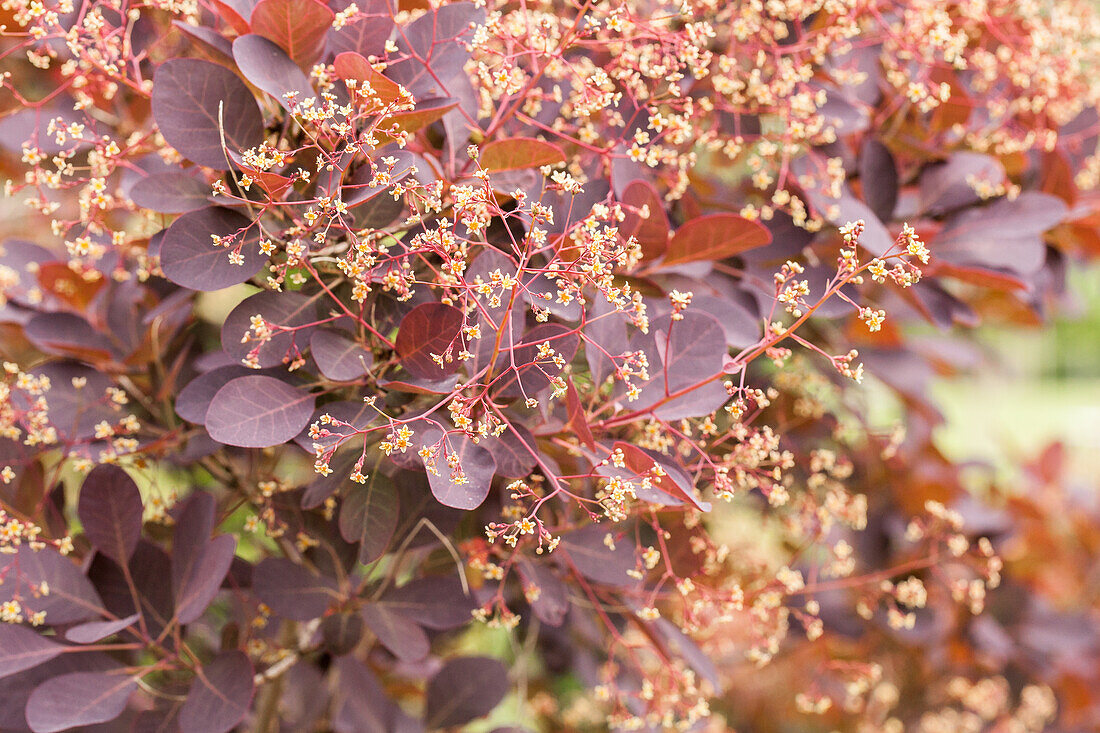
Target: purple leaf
(71, 598)
(199, 564)
(878, 175)
(193, 400)
(189, 257)
(268, 67)
(369, 516)
(171, 193)
(514, 451)
(403, 637)
(476, 464)
(1006, 234)
(220, 696)
(341, 632)
(110, 509)
(258, 412)
(946, 186)
(67, 334)
(695, 352)
(552, 602)
(466, 688)
(532, 374)
(79, 698)
(195, 101)
(21, 648)
(356, 414)
(436, 602)
(367, 35)
(93, 631)
(339, 359)
(286, 309)
(151, 572)
(16, 689)
(588, 553)
(292, 591)
(429, 329)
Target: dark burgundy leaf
(341, 633)
(16, 689)
(79, 698)
(363, 706)
(292, 591)
(476, 464)
(338, 358)
(268, 67)
(171, 193)
(430, 328)
(879, 177)
(258, 412)
(201, 576)
(220, 696)
(402, 636)
(532, 374)
(551, 600)
(299, 27)
(358, 188)
(466, 688)
(189, 257)
(436, 602)
(369, 516)
(67, 334)
(514, 451)
(151, 572)
(356, 414)
(195, 101)
(22, 648)
(71, 598)
(110, 509)
(93, 631)
(587, 550)
(287, 310)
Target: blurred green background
(1035, 386)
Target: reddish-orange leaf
(519, 152)
(714, 237)
(350, 65)
(638, 461)
(57, 278)
(652, 231)
(577, 420)
(425, 114)
(299, 27)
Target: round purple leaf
(258, 412)
(189, 257)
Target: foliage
(357, 327)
